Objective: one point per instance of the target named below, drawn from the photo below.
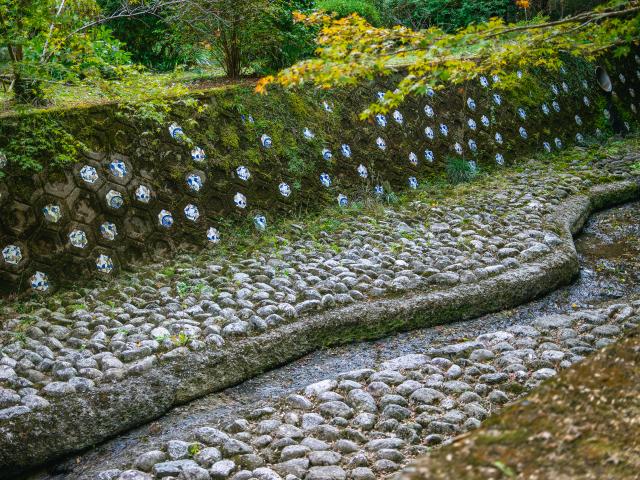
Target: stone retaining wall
(143, 189)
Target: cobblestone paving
(368, 423)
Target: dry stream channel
(609, 252)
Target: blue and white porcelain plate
(326, 154)
(346, 150)
(243, 173)
(165, 219)
(585, 85)
(413, 183)
(458, 148)
(194, 182)
(523, 133)
(39, 282)
(397, 116)
(327, 107)
(483, 81)
(428, 131)
(558, 142)
(413, 159)
(213, 235)
(378, 190)
(108, 231)
(362, 171)
(381, 120)
(545, 109)
(285, 189)
(198, 155)
(472, 145)
(114, 199)
(547, 147)
(12, 254)
(240, 200)
(471, 103)
(78, 239)
(104, 264)
(554, 89)
(565, 87)
(485, 120)
(260, 221)
(308, 134)
(429, 156)
(556, 106)
(578, 120)
(498, 138)
(89, 174)
(522, 114)
(444, 130)
(497, 99)
(380, 95)
(52, 213)
(191, 212)
(266, 141)
(143, 194)
(325, 179)
(176, 132)
(343, 201)
(579, 138)
(381, 143)
(118, 168)
(3, 160)
(472, 124)
(499, 159)
(428, 110)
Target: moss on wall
(47, 150)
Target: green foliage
(350, 51)
(290, 41)
(450, 15)
(342, 8)
(460, 170)
(39, 140)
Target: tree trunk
(26, 90)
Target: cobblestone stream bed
(364, 410)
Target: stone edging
(74, 422)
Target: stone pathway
(55, 362)
(368, 423)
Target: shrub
(344, 8)
(460, 170)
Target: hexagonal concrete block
(118, 169)
(159, 245)
(79, 239)
(104, 237)
(104, 263)
(93, 175)
(48, 201)
(138, 224)
(142, 194)
(10, 282)
(4, 194)
(46, 246)
(18, 218)
(84, 206)
(14, 255)
(103, 195)
(59, 184)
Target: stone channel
(74, 376)
(608, 249)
